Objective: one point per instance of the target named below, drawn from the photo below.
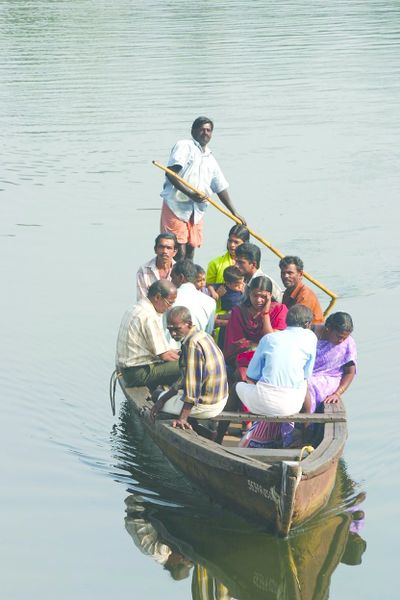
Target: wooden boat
(272, 486)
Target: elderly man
(296, 291)
(183, 210)
(159, 267)
(248, 258)
(202, 391)
(144, 355)
(201, 306)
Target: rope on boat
(308, 449)
(115, 375)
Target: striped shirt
(146, 275)
(204, 378)
(141, 336)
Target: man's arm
(226, 201)
(141, 287)
(182, 188)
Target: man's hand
(240, 218)
(169, 355)
(198, 197)
(181, 424)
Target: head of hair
(162, 287)
(291, 260)
(299, 316)
(250, 252)
(240, 231)
(166, 236)
(340, 321)
(262, 283)
(199, 270)
(181, 313)
(186, 268)
(232, 274)
(200, 121)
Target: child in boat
(230, 293)
(200, 282)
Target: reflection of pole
(263, 241)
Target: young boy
(230, 294)
(200, 283)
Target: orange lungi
(186, 231)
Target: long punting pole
(255, 235)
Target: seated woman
(250, 321)
(238, 234)
(335, 364)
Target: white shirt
(202, 307)
(146, 275)
(201, 170)
(141, 337)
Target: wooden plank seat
(235, 417)
(267, 455)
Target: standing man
(202, 391)
(144, 355)
(159, 267)
(182, 210)
(296, 291)
(247, 259)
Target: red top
(245, 329)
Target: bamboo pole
(255, 235)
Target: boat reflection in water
(226, 556)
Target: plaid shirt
(204, 378)
(146, 275)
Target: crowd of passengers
(229, 337)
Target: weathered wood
(268, 485)
(235, 417)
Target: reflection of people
(160, 266)
(148, 541)
(144, 355)
(202, 390)
(183, 210)
(207, 587)
(296, 291)
(335, 363)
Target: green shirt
(216, 268)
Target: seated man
(159, 267)
(278, 371)
(202, 307)
(202, 391)
(296, 291)
(248, 258)
(144, 356)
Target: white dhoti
(200, 411)
(265, 399)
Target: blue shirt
(284, 358)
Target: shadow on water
(227, 557)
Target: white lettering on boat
(257, 488)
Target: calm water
(305, 97)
